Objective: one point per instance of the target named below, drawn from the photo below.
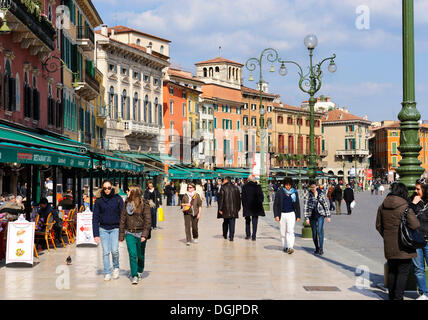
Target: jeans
(136, 250)
(248, 226)
(317, 226)
(173, 199)
(153, 212)
(229, 224)
(348, 207)
(419, 264)
(110, 244)
(332, 207)
(209, 197)
(398, 272)
(286, 227)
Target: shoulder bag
(409, 239)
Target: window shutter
(160, 115)
(116, 103)
(36, 104)
(150, 112)
(12, 89)
(6, 91)
(346, 144)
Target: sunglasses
(107, 188)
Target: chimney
(104, 30)
(328, 99)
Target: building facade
(346, 139)
(384, 144)
(133, 81)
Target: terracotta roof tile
(219, 60)
(250, 90)
(123, 29)
(339, 115)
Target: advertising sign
(257, 165)
(20, 242)
(84, 234)
(369, 174)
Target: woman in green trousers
(135, 222)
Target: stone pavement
(212, 269)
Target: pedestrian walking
(153, 196)
(135, 223)
(348, 197)
(381, 189)
(387, 224)
(252, 206)
(168, 191)
(337, 196)
(105, 225)
(192, 208)
(286, 209)
(182, 191)
(330, 197)
(217, 189)
(372, 187)
(420, 207)
(199, 189)
(208, 188)
(229, 204)
(316, 211)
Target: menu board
(20, 242)
(84, 234)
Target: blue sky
(369, 76)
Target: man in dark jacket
(337, 196)
(286, 209)
(348, 196)
(105, 224)
(153, 196)
(252, 205)
(44, 210)
(208, 188)
(229, 204)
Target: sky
(365, 35)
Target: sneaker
(140, 275)
(290, 251)
(134, 280)
(195, 241)
(422, 297)
(285, 250)
(321, 252)
(247, 238)
(107, 277)
(116, 273)
(187, 243)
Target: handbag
(160, 214)
(409, 239)
(188, 209)
(353, 204)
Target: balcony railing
(89, 79)
(360, 153)
(85, 32)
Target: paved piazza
(212, 269)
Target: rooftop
(123, 29)
(219, 60)
(341, 115)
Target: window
(171, 89)
(350, 128)
(394, 162)
(394, 148)
(125, 71)
(156, 81)
(253, 107)
(112, 68)
(205, 72)
(254, 121)
(245, 121)
(136, 108)
(308, 123)
(171, 106)
(138, 42)
(147, 79)
(137, 75)
(217, 69)
(238, 110)
(146, 105)
(184, 109)
(49, 12)
(280, 119)
(317, 123)
(184, 95)
(299, 121)
(289, 120)
(161, 49)
(269, 109)
(245, 106)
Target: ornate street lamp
(4, 7)
(409, 167)
(310, 83)
(252, 64)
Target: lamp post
(409, 167)
(252, 64)
(312, 80)
(4, 7)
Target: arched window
(156, 111)
(135, 108)
(138, 42)
(233, 73)
(217, 69)
(230, 72)
(236, 74)
(123, 102)
(146, 105)
(150, 112)
(161, 49)
(211, 72)
(205, 72)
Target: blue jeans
(208, 197)
(419, 264)
(229, 225)
(317, 226)
(110, 244)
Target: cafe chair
(36, 220)
(47, 233)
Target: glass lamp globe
(262, 111)
(283, 70)
(332, 67)
(311, 41)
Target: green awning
(16, 153)
(12, 135)
(115, 163)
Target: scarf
(130, 208)
(291, 193)
(190, 195)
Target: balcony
(139, 129)
(324, 153)
(354, 153)
(101, 116)
(30, 29)
(85, 38)
(89, 88)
